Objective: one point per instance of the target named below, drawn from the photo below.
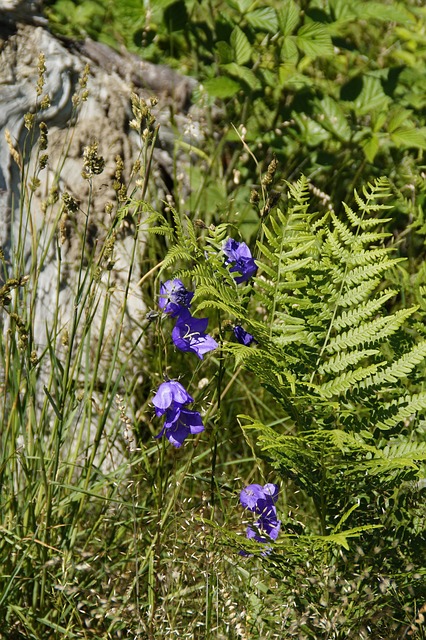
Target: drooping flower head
(243, 336)
(179, 422)
(239, 255)
(189, 334)
(174, 297)
(170, 394)
(261, 500)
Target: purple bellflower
(174, 297)
(189, 334)
(179, 422)
(261, 500)
(238, 254)
(243, 336)
(169, 395)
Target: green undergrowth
(107, 532)
(333, 90)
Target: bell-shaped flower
(271, 526)
(243, 336)
(170, 394)
(180, 423)
(174, 297)
(261, 500)
(189, 335)
(239, 255)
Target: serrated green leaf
(222, 87)
(371, 147)
(240, 46)
(343, 10)
(264, 19)
(371, 97)
(224, 51)
(240, 5)
(333, 119)
(314, 40)
(312, 133)
(289, 50)
(378, 120)
(397, 118)
(288, 17)
(242, 73)
(387, 13)
(411, 137)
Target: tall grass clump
(101, 524)
(65, 347)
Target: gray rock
(49, 238)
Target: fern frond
(299, 190)
(370, 271)
(401, 368)
(345, 233)
(365, 223)
(371, 237)
(370, 332)
(336, 248)
(363, 311)
(408, 406)
(344, 382)
(216, 304)
(357, 295)
(344, 441)
(179, 228)
(307, 338)
(160, 231)
(266, 269)
(366, 257)
(395, 457)
(345, 359)
(174, 254)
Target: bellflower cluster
(189, 332)
(261, 500)
(179, 422)
(238, 254)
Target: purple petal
(188, 335)
(272, 490)
(177, 435)
(204, 345)
(192, 420)
(240, 254)
(174, 297)
(181, 425)
(271, 526)
(243, 336)
(171, 416)
(230, 249)
(167, 393)
(247, 269)
(190, 324)
(250, 495)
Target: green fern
(328, 349)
